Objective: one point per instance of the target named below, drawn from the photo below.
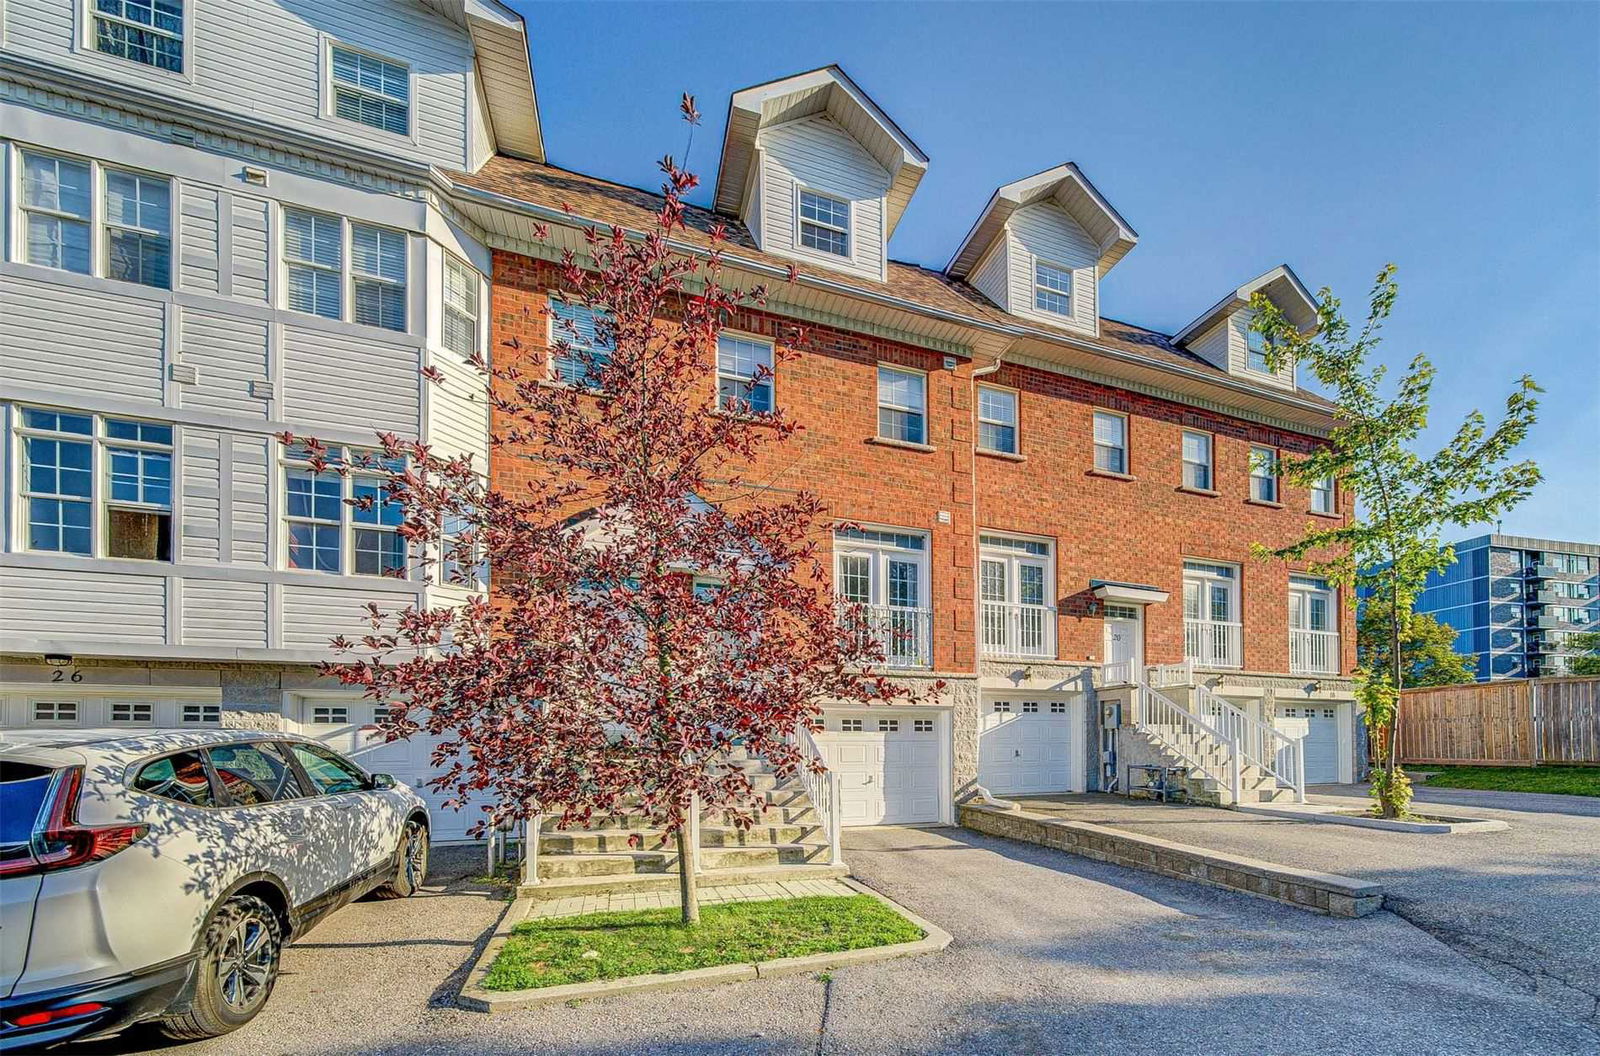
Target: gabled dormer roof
(1281, 285)
(1065, 186)
(826, 91)
(500, 39)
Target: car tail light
(59, 842)
(56, 1015)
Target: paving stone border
(1339, 896)
(1434, 824)
(473, 996)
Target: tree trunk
(688, 893)
(1391, 806)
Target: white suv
(158, 877)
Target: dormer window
(1256, 351)
(824, 223)
(370, 90)
(144, 31)
(1052, 288)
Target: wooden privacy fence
(1518, 722)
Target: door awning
(1127, 593)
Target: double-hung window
(581, 343)
(1263, 474)
(744, 374)
(902, 405)
(145, 31)
(825, 223)
(997, 419)
(1052, 288)
(886, 571)
(323, 532)
(316, 250)
(1197, 461)
(1323, 496)
(1110, 442)
(130, 239)
(370, 90)
(96, 486)
(1255, 344)
(460, 307)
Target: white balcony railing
(1012, 629)
(1313, 652)
(1212, 643)
(904, 634)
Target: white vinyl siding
(127, 238)
(997, 419)
(370, 90)
(815, 154)
(1110, 442)
(902, 405)
(1264, 474)
(48, 332)
(1197, 462)
(1239, 358)
(1044, 233)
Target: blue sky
(1461, 141)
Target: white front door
(890, 763)
(1125, 636)
(1030, 744)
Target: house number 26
(61, 676)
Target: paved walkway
(1052, 955)
(1523, 903)
(612, 902)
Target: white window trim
(99, 227)
(1013, 560)
(347, 272)
(1070, 293)
(1257, 474)
(347, 524)
(878, 404)
(1210, 463)
(1332, 491)
(772, 364)
(1015, 424)
(1127, 442)
(879, 554)
(1263, 370)
(850, 241)
(552, 374)
(100, 501)
(327, 44)
(83, 45)
(446, 309)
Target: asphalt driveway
(1052, 954)
(1524, 904)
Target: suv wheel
(412, 867)
(237, 969)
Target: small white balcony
(1011, 629)
(1213, 643)
(1313, 652)
(904, 634)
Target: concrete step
(621, 863)
(568, 887)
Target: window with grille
(581, 343)
(1197, 461)
(460, 307)
(744, 374)
(1256, 351)
(372, 91)
(130, 241)
(922, 725)
(123, 711)
(1264, 474)
(849, 725)
(1058, 707)
(1052, 288)
(888, 725)
(1002, 705)
(825, 223)
(325, 511)
(55, 711)
(96, 486)
(1111, 441)
(143, 31)
(997, 419)
(902, 405)
(1030, 707)
(202, 714)
(329, 716)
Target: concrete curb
(1338, 896)
(1331, 817)
(474, 997)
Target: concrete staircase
(787, 841)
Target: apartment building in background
(221, 228)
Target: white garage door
(346, 726)
(1030, 744)
(890, 765)
(1320, 728)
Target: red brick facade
(1136, 530)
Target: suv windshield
(23, 788)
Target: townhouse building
(1515, 602)
(222, 225)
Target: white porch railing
(1313, 652)
(822, 789)
(1212, 643)
(1185, 735)
(1014, 629)
(905, 634)
(1268, 749)
(1180, 674)
(1117, 673)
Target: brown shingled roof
(591, 198)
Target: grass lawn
(653, 942)
(1561, 780)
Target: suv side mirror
(383, 781)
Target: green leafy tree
(1428, 654)
(1405, 500)
(1585, 650)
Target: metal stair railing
(1270, 750)
(1155, 712)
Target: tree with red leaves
(655, 613)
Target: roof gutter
(1011, 330)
